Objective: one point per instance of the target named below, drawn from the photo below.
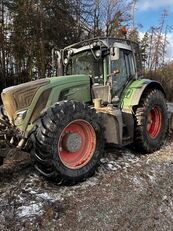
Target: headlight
(98, 53)
(20, 117)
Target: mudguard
(133, 92)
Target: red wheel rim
(154, 122)
(77, 144)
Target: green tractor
(100, 97)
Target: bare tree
(159, 41)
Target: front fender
(133, 92)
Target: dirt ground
(129, 192)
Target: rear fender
(131, 97)
(133, 93)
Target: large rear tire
(68, 142)
(151, 121)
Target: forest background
(31, 31)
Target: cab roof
(103, 42)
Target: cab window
(124, 69)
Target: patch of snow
(164, 198)
(33, 192)
(112, 165)
(114, 162)
(127, 165)
(138, 182)
(30, 210)
(152, 178)
(130, 157)
(51, 196)
(20, 198)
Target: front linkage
(9, 134)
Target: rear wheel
(151, 121)
(68, 142)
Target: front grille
(20, 97)
(23, 98)
(40, 105)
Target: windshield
(85, 63)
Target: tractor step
(127, 140)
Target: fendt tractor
(100, 97)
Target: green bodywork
(127, 99)
(74, 87)
(132, 93)
(78, 87)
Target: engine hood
(22, 96)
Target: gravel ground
(129, 192)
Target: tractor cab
(110, 62)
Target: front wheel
(68, 142)
(151, 121)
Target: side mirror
(98, 54)
(114, 53)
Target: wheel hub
(72, 142)
(77, 144)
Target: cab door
(122, 71)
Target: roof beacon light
(124, 30)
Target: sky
(148, 13)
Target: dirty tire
(151, 121)
(68, 142)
